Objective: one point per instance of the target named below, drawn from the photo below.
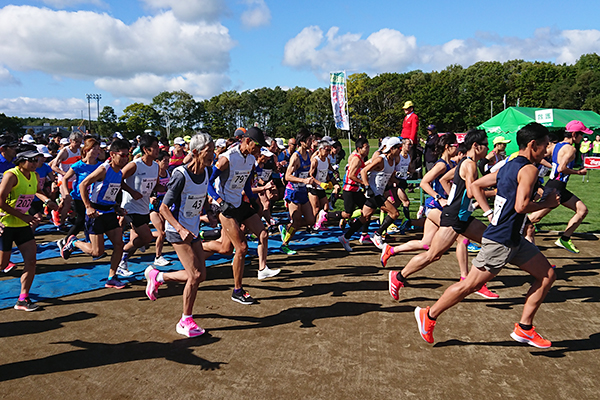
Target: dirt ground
(325, 328)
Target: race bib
(381, 181)
(147, 186)
(265, 175)
(498, 206)
(193, 205)
(111, 193)
(403, 171)
(24, 202)
(302, 175)
(322, 175)
(451, 194)
(238, 180)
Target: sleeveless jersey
(507, 225)
(431, 202)
(105, 192)
(459, 204)
(72, 158)
(20, 197)
(402, 167)
(164, 181)
(230, 184)
(143, 180)
(176, 160)
(378, 180)
(321, 172)
(554, 174)
(82, 170)
(351, 185)
(188, 208)
(302, 173)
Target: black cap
(8, 140)
(257, 135)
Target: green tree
(11, 125)
(177, 111)
(107, 121)
(138, 117)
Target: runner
(563, 161)
(382, 167)
(101, 211)
(158, 221)
(296, 192)
(181, 209)
(320, 169)
(18, 188)
(456, 216)
(230, 178)
(139, 180)
(502, 240)
(264, 186)
(68, 156)
(76, 174)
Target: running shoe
(531, 337)
(267, 273)
(26, 305)
(473, 248)
(487, 293)
(242, 298)
(345, 242)
(114, 282)
(394, 285)
(365, 238)
(286, 249)
(377, 240)
(321, 219)
(386, 253)
(9, 267)
(425, 324)
(160, 261)
(282, 232)
(187, 327)
(123, 269)
(421, 212)
(64, 253)
(55, 215)
(567, 245)
(152, 284)
(393, 228)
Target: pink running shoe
(487, 293)
(365, 238)
(321, 218)
(152, 284)
(9, 267)
(187, 327)
(394, 285)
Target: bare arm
(8, 183)
(374, 165)
(565, 156)
(445, 180)
(430, 176)
(98, 175)
(129, 170)
(523, 203)
(55, 164)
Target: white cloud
(190, 10)
(43, 107)
(91, 46)
(146, 86)
(71, 3)
(6, 78)
(257, 14)
(388, 50)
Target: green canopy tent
(509, 121)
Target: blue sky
(53, 52)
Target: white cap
(117, 135)
(28, 139)
(102, 145)
(179, 141)
(328, 139)
(64, 141)
(383, 143)
(44, 150)
(391, 142)
(280, 143)
(265, 152)
(221, 142)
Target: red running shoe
(531, 337)
(386, 253)
(394, 285)
(425, 323)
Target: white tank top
(402, 167)
(378, 180)
(321, 171)
(189, 208)
(143, 181)
(230, 184)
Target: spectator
(430, 146)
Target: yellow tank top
(20, 197)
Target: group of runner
(235, 184)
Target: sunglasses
(454, 145)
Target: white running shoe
(123, 270)
(160, 261)
(378, 241)
(345, 242)
(267, 273)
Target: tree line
(454, 99)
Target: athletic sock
(400, 277)
(23, 296)
(387, 221)
(525, 327)
(184, 317)
(289, 234)
(365, 228)
(160, 277)
(238, 291)
(354, 227)
(406, 212)
(564, 238)
(430, 317)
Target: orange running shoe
(386, 254)
(425, 323)
(531, 337)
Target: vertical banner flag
(339, 100)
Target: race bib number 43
(193, 205)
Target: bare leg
(236, 236)
(194, 273)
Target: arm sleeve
(248, 188)
(211, 183)
(174, 188)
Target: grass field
(588, 192)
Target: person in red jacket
(409, 129)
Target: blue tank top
(507, 225)
(82, 170)
(554, 174)
(431, 202)
(105, 192)
(301, 172)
